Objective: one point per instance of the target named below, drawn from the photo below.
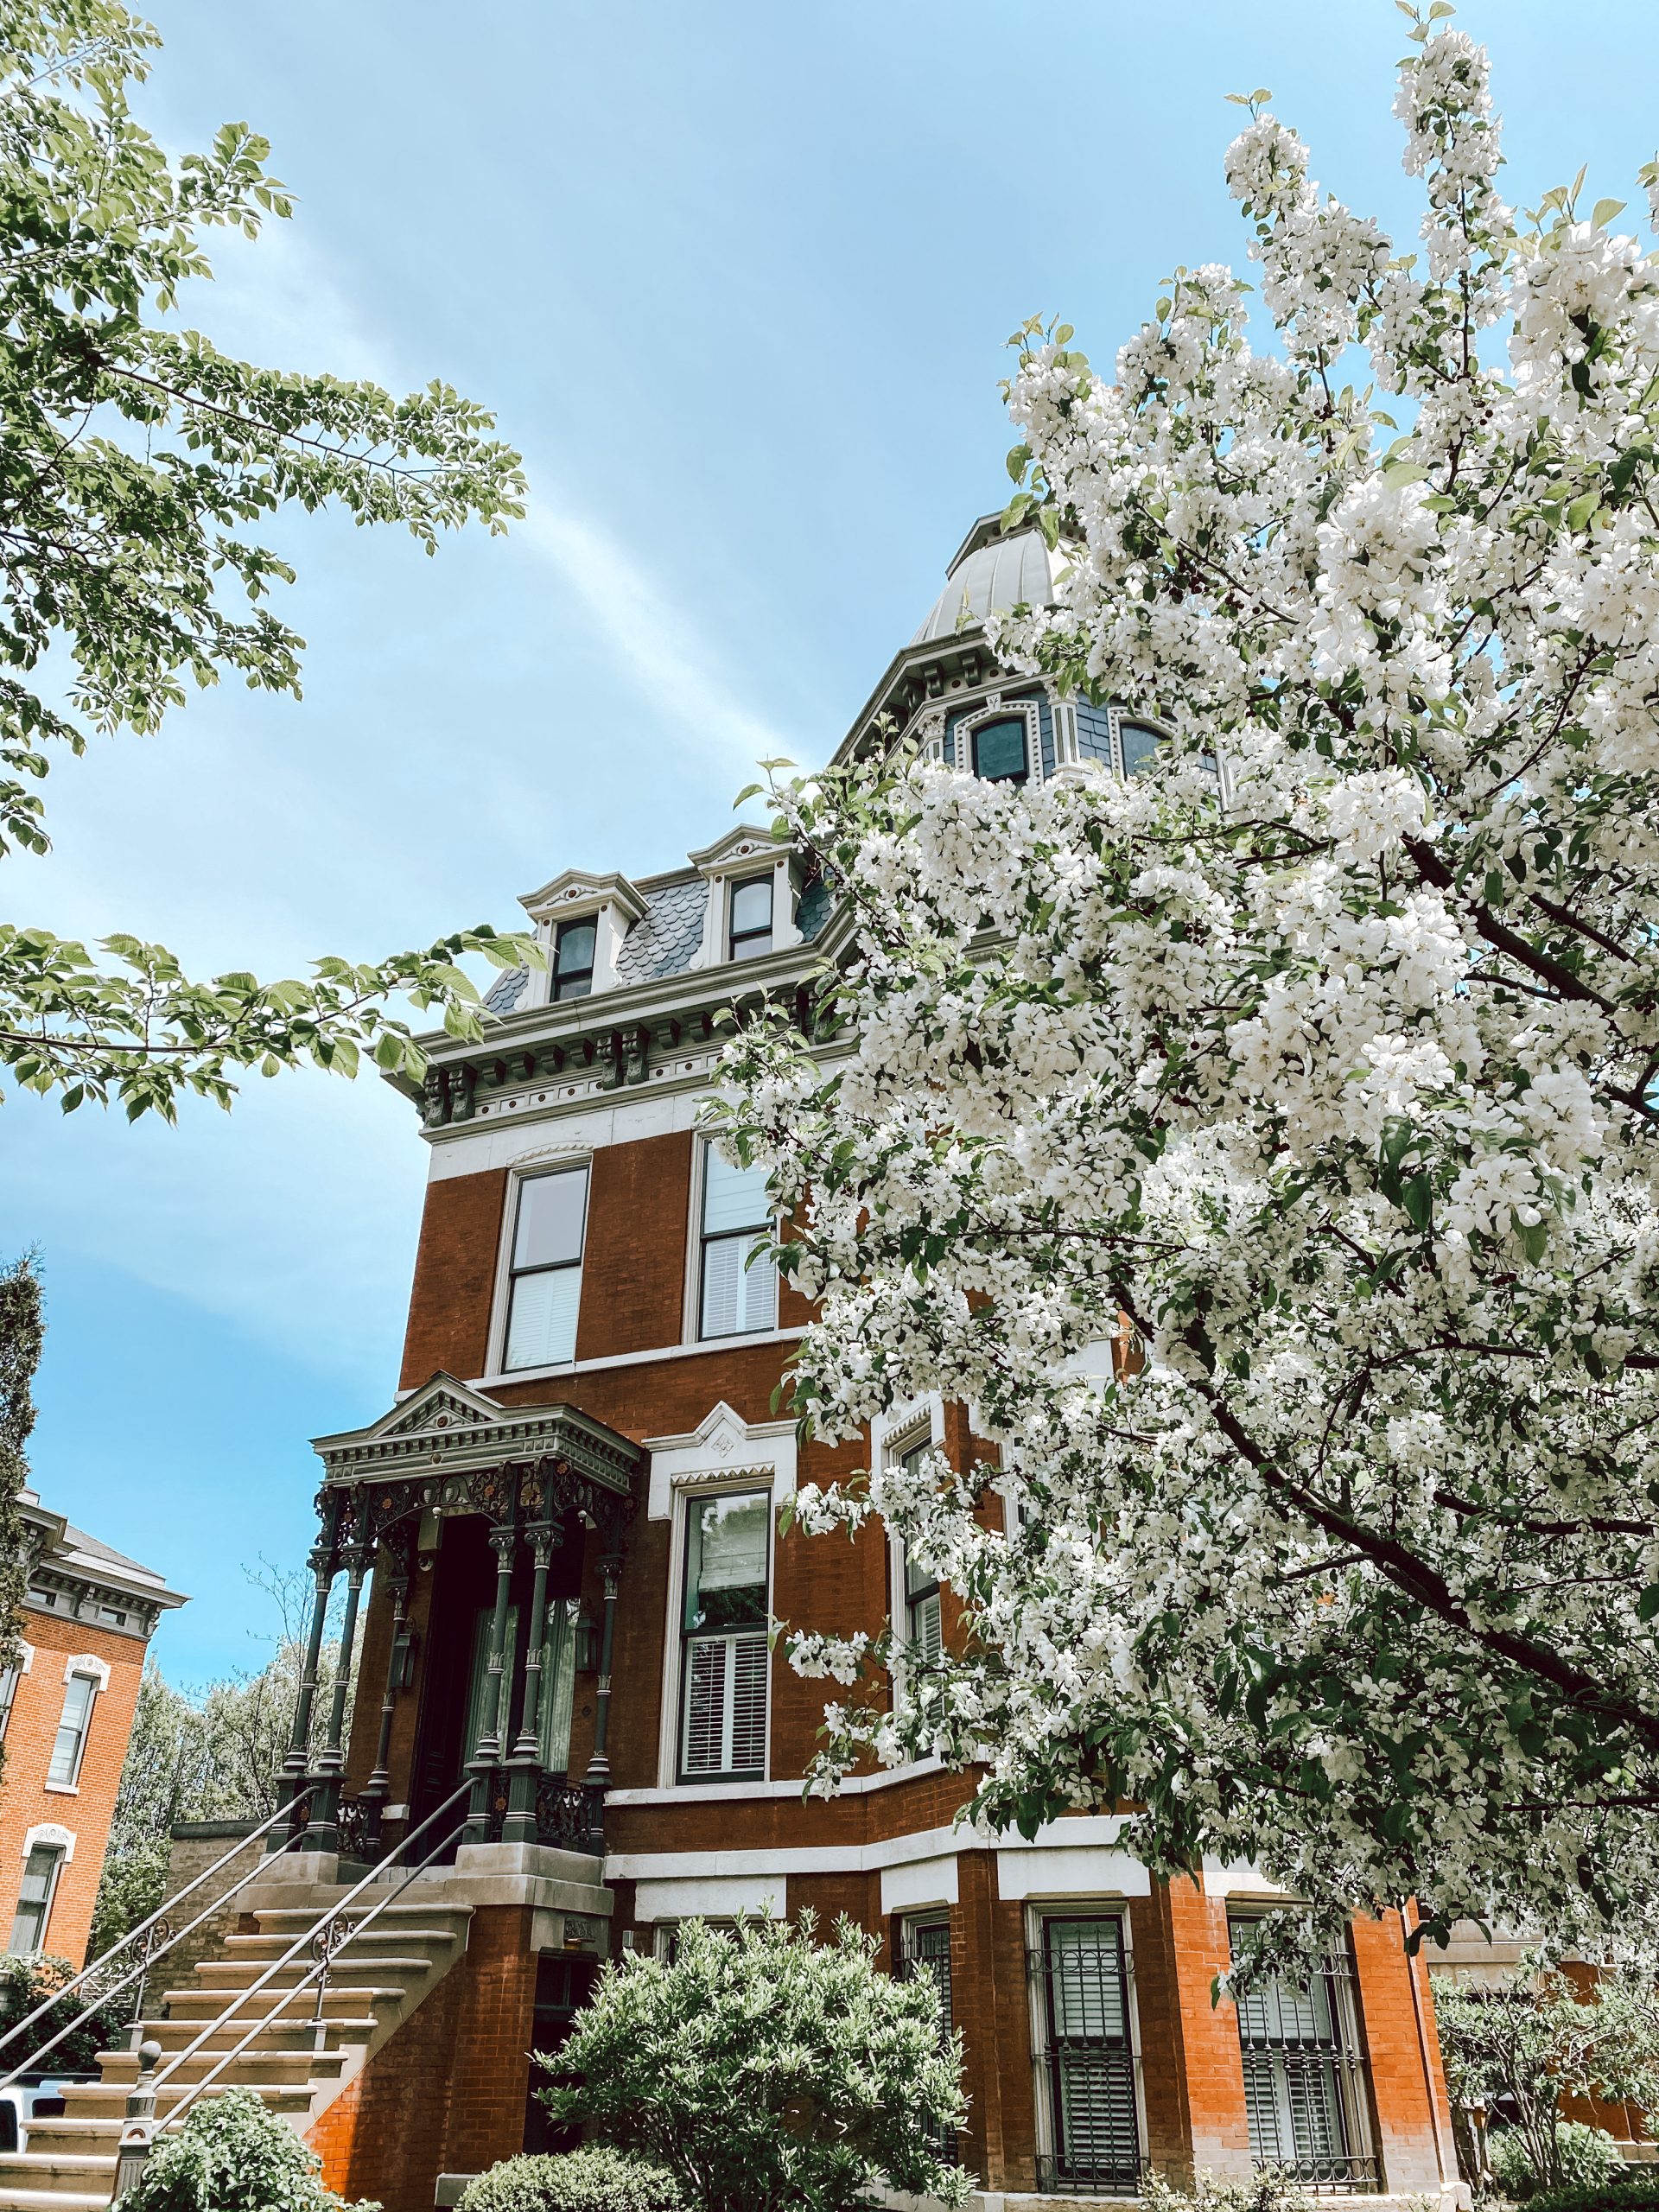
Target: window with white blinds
(739, 1282)
(69, 1746)
(725, 1664)
(545, 1285)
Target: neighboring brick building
(66, 1713)
(570, 1517)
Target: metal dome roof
(988, 575)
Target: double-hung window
(1304, 2094)
(1089, 2060)
(738, 1283)
(750, 915)
(41, 1871)
(724, 1660)
(573, 960)
(545, 1278)
(922, 1626)
(69, 1746)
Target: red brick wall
(634, 1263)
(1401, 2069)
(455, 1277)
(85, 1811)
(447, 2092)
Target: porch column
(377, 1789)
(487, 1754)
(324, 1563)
(323, 1831)
(519, 1826)
(599, 1767)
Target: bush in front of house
(233, 2155)
(1270, 2188)
(1585, 2158)
(1635, 2191)
(767, 2071)
(24, 1983)
(593, 2179)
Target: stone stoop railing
(301, 2059)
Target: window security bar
(1305, 2094)
(925, 1949)
(149, 1941)
(1088, 2071)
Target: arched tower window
(1140, 741)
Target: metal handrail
(147, 1958)
(242, 1996)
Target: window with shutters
(545, 1272)
(725, 1664)
(1089, 2123)
(1304, 2090)
(41, 1871)
(69, 1746)
(925, 1948)
(738, 1281)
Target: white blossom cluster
(1265, 1153)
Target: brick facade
(88, 1612)
(615, 1081)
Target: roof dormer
(753, 888)
(582, 921)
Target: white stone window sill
(63, 1788)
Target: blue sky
(735, 279)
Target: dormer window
(573, 958)
(1139, 741)
(998, 751)
(750, 933)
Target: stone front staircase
(298, 2064)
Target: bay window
(545, 1278)
(724, 1659)
(1303, 2092)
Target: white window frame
(501, 1322)
(996, 709)
(921, 1421)
(691, 1328)
(47, 1835)
(1092, 1906)
(732, 886)
(740, 1482)
(25, 1665)
(84, 1667)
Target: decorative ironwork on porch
(451, 1451)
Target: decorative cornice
(448, 1432)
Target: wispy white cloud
(657, 648)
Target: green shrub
(23, 1983)
(1270, 2190)
(1585, 2158)
(231, 2155)
(1638, 2192)
(596, 2179)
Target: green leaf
(1604, 210)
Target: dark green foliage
(593, 2179)
(23, 1984)
(231, 2155)
(21, 1332)
(1636, 2190)
(768, 2072)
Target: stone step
(256, 2063)
(372, 1942)
(296, 2032)
(199, 2006)
(93, 2100)
(227, 1974)
(50, 2177)
(44, 2200)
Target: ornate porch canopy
(452, 1449)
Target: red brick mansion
(563, 1536)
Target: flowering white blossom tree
(1321, 1081)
